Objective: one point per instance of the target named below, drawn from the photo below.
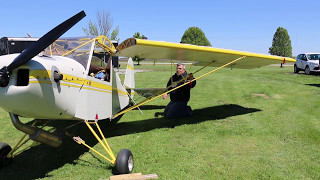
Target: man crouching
(178, 107)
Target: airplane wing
(201, 55)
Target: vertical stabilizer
(129, 77)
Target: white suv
(308, 62)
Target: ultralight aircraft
(73, 79)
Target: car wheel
(307, 70)
(296, 69)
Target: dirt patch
(261, 95)
(278, 96)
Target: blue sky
(230, 24)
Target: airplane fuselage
(33, 92)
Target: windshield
(75, 48)
(313, 56)
(92, 53)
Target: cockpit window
(78, 49)
(92, 53)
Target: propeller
(39, 46)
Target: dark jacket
(183, 93)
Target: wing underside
(200, 55)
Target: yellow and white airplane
(68, 79)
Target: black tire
(296, 69)
(124, 162)
(4, 151)
(307, 70)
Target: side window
(99, 68)
(304, 57)
(299, 56)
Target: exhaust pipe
(35, 133)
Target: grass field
(247, 124)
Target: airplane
(73, 79)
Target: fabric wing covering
(200, 55)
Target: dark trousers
(176, 109)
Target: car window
(304, 57)
(299, 56)
(313, 56)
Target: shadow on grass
(304, 74)
(199, 115)
(40, 160)
(316, 85)
(150, 107)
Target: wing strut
(144, 102)
(103, 143)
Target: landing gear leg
(124, 160)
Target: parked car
(308, 62)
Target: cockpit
(92, 53)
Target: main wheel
(307, 70)
(124, 162)
(4, 151)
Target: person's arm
(190, 78)
(166, 94)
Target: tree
(138, 36)
(115, 34)
(102, 27)
(281, 43)
(91, 30)
(194, 35)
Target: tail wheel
(124, 162)
(4, 151)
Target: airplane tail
(129, 77)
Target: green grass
(247, 124)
